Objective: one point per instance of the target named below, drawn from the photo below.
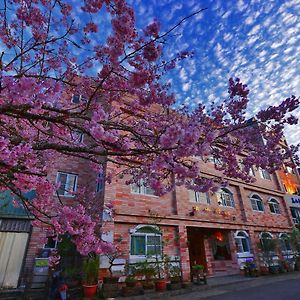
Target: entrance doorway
(196, 247)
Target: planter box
(131, 291)
(110, 290)
(160, 285)
(110, 280)
(174, 286)
(110, 286)
(274, 269)
(111, 294)
(187, 285)
(148, 285)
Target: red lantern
(219, 236)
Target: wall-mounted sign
(292, 200)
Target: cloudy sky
(257, 41)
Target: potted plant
(90, 275)
(161, 267)
(130, 281)
(198, 272)
(110, 287)
(250, 268)
(175, 277)
(147, 271)
(268, 248)
(294, 240)
(72, 276)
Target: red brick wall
(132, 209)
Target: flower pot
(130, 283)
(110, 279)
(274, 269)
(161, 285)
(174, 286)
(148, 285)
(264, 270)
(89, 291)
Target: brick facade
(178, 216)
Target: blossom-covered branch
(61, 79)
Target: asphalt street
(262, 289)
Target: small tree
(294, 240)
(91, 269)
(268, 247)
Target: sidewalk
(215, 286)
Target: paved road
(261, 289)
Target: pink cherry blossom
(125, 112)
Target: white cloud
(186, 86)
(241, 5)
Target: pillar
(184, 253)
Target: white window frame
(297, 213)
(261, 239)
(77, 136)
(284, 236)
(225, 196)
(264, 174)
(141, 189)
(274, 203)
(290, 170)
(199, 197)
(251, 172)
(67, 193)
(100, 182)
(81, 98)
(254, 200)
(218, 161)
(239, 238)
(55, 243)
(136, 233)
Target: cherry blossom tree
(62, 75)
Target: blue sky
(257, 41)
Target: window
(68, 184)
(295, 214)
(77, 136)
(266, 241)
(251, 172)
(218, 161)
(76, 98)
(242, 167)
(242, 242)
(51, 243)
(215, 160)
(256, 203)
(274, 206)
(100, 182)
(284, 243)
(141, 189)
(290, 170)
(146, 241)
(264, 174)
(225, 198)
(198, 197)
(297, 191)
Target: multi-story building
(218, 230)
